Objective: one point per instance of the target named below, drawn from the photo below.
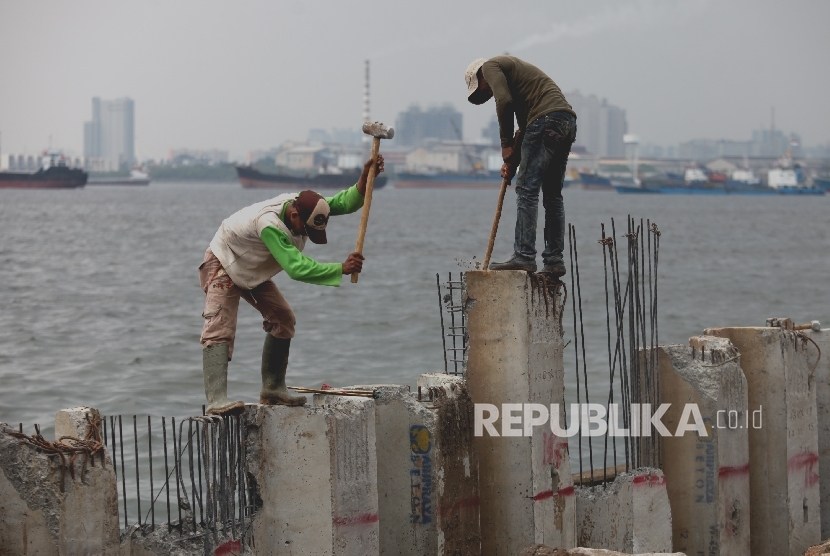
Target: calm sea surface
(100, 302)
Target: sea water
(100, 302)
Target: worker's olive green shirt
(521, 89)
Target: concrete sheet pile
(427, 471)
(514, 322)
(707, 476)
(820, 367)
(785, 517)
(44, 510)
(315, 470)
(630, 514)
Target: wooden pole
(367, 201)
(504, 183)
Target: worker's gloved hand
(354, 263)
(364, 176)
(508, 171)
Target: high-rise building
(490, 133)
(600, 126)
(414, 126)
(109, 138)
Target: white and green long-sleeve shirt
(254, 244)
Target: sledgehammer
(378, 131)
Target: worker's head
(478, 90)
(308, 216)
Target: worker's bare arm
(364, 176)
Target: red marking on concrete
(649, 480)
(361, 519)
(471, 502)
(545, 494)
(555, 449)
(729, 471)
(229, 548)
(808, 461)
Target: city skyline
(217, 76)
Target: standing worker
(250, 247)
(547, 129)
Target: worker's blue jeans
(545, 148)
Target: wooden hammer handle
(504, 183)
(367, 201)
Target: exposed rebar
(166, 471)
(150, 454)
(576, 348)
(123, 479)
(441, 313)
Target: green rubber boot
(274, 365)
(215, 366)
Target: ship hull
(691, 190)
(251, 178)
(56, 177)
(822, 183)
(593, 182)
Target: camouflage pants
(222, 305)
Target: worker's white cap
(472, 80)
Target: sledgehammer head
(377, 129)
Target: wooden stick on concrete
(504, 183)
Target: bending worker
(250, 247)
(547, 129)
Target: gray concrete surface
(514, 322)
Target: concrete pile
(427, 471)
(50, 505)
(630, 514)
(315, 470)
(514, 323)
(783, 450)
(819, 365)
(707, 476)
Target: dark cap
(314, 212)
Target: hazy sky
(242, 75)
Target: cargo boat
(720, 189)
(696, 182)
(56, 176)
(822, 182)
(594, 182)
(251, 178)
(136, 177)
